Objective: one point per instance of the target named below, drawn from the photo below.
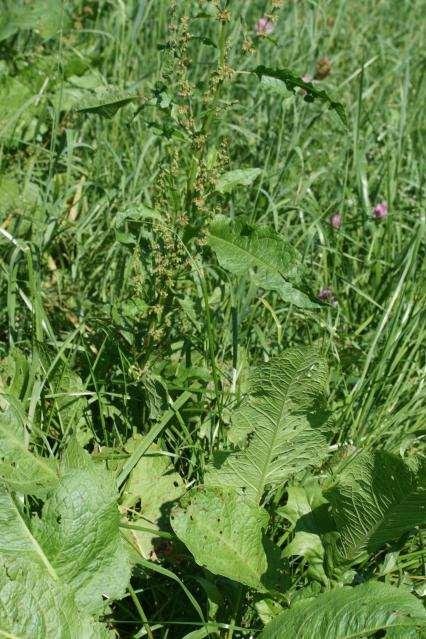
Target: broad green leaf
(286, 395)
(77, 89)
(274, 86)
(21, 469)
(209, 630)
(46, 17)
(138, 213)
(39, 597)
(79, 532)
(346, 613)
(16, 197)
(377, 499)
(16, 538)
(292, 81)
(223, 530)
(107, 103)
(35, 606)
(149, 493)
(405, 633)
(77, 539)
(7, 26)
(149, 438)
(75, 457)
(292, 295)
(307, 510)
(267, 609)
(241, 248)
(239, 177)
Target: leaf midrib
(362, 545)
(32, 540)
(233, 550)
(267, 265)
(262, 483)
(358, 634)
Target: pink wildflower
(335, 221)
(325, 294)
(380, 210)
(264, 27)
(306, 78)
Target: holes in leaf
(138, 506)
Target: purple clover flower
(335, 221)
(264, 27)
(380, 210)
(326, 295)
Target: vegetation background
(117, 121)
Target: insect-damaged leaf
(149, 493)
(274, 263)
(292, 81)
(35, 606)
(223, 530)
(60, 571)
(107, 104)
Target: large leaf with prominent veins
(349, 613)
(287, 394)
(16, 538)
(223, 530)
(58, 570)
(79, 531)
(273, 262)
(35, 606)
(150, 491)
(377, 498)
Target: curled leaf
(107, 103)
(292, 81)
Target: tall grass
(72, 287)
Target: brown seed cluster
(322, 68)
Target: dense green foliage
(211, 319)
